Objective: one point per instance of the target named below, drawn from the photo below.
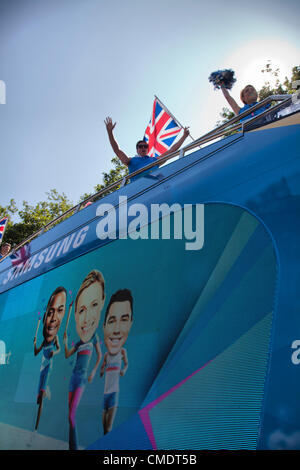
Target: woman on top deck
(249, 97)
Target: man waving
(142, 158)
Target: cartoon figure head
(54, 314)
(88, 305)
(118, 320)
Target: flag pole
(172, 116)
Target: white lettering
(296, 354)
(107, 227)
(51, 252)
(41, 258)
(4, 356)
(166, 210)
(2, 353)
(17, 270)
(112, 460)
(80, 237)
(28, 264)
(169, 459)
(66, 243)
(134, 227)
(2, 92)
(46, 255)
(123, 217)
(188, 226)
(109, 221)
(9, 276)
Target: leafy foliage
(226, 114)
(115, 174)
(32, 218)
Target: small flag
(20, 256)
(161, 131)
(3, 223)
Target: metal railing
(232, 125)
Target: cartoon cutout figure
(52, 319)
(117, 325)
(88, 305)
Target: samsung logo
(73, 241)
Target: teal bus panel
(175, 341)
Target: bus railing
(233, 125)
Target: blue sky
(67, 64)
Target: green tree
(267, 89)
(295, 77)
(115, 174)
(9, 210)
(226, 114)
(32, 218)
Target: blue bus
(165, 314)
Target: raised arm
(120, 154)
(231, 101)
(178, 144)
(68, 352)
(37, 350)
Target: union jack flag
(20, 256)
(3, 223)
(161, 131)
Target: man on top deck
(142, 158)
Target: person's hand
(224, 90)
(109, 124)
(186, 132)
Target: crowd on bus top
(248, 95)
(249, 98)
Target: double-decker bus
(165, 314)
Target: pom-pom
(222, 78)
